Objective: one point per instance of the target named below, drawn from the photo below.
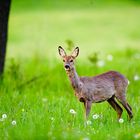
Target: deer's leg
(115, 106)
(128, 108)
(87, 105)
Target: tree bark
(4, 15)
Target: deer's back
(102, 87)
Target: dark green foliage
(93, 58)
(70, 44)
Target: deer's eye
(71, 60)
(63, 60)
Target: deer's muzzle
(67, 67)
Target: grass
(36, 91)
(41, 107)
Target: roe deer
(103, 87)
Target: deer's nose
(67, 66)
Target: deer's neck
(74, 78)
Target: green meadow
(35, 94)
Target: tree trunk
(4, 14)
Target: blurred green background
(95, 25)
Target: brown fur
(104, 87)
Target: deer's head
(68, 59)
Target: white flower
(89, 122)
(121, 120)
(136, 77)
(72, 111)
(95, 116)
(100, 63)
(4, 116)
(13, 122)
(109, 57)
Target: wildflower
(13, 122)
(136, 77)
(109, 57)
(100, 63)
(4, 116)
(95, 116)
(121, 120)
(72, 111)
(88, 122)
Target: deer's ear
(75, 52)
(61, 51)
